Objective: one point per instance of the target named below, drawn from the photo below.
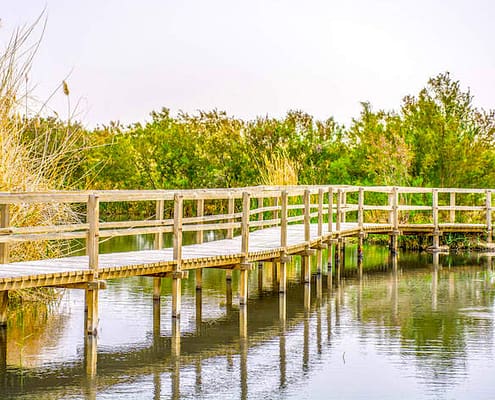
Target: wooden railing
(395, 209)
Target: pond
(417, 328)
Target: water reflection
(392, 321)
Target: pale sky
(129, 57)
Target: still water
(415, 330)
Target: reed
(36, 153)
(278, 169)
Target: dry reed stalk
(30, 158)
(278, 169)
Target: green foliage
(437, 138)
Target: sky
(123, 59)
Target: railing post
(4, 223)
(344, 206)
(320, 212)
(452, 209)
(230, 211)
(436, 232)
(91, 298)
(243, 287)
(361, 208)
(4, 259)
(360, 223)
(339, 210)
(200, 210)
(489, 228)
(307, 216)
(283, 220)
(396, 209)
(284, 201)
(330, 210)
(330, 235)
(157, 282)
(177, 255)
(260, 205)
(93, 217)
(391, 207)
(394, 237)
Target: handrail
(326, 206)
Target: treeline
(437, 138)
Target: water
(417, 331)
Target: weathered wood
(177, 239)
(230, 210)
(282, 277)
(330, 210)
(4, 300)
(321, 195)
(200, 212)
(199, 279)
(243, 287)
(452, 208)
(395, 208)
(489, 229)
(4, 223)
(360, 208)
(307, 219)
(157, 288)
(246, 206)
(176, 297)
(283, 217)
(91, 309)
(339, 210)
(160, 210)
(261, 208)
(93, 217)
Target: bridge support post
(282, 281)
(329, 265)
(91, 309)
(176, 297)
(306, 268)
(4, 300)
(243, 286)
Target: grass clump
(36, 153)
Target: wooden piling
(91, 307)
(4, 300)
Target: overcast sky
(129, 57)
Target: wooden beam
(93, 285)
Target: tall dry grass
(33, 157)
(278, 169)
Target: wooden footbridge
(255, 223)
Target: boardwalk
(259, 224)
